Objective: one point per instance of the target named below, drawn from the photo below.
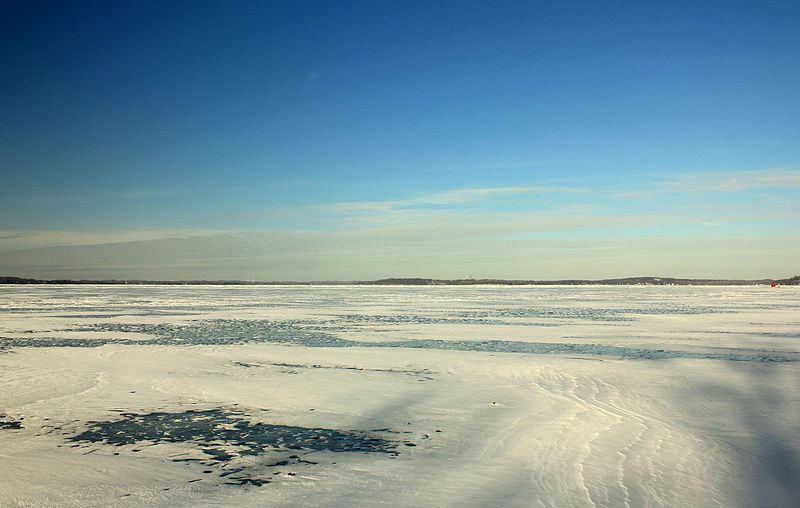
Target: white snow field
(562, 396)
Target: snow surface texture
(403, 396)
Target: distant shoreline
(627, 281)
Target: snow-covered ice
(403, 396)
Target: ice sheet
(406, 396)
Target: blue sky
(350, 140)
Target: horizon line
(415, 281)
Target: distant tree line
(416, 281)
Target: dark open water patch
(224, 435)
(591, 313)
(462, 318)
(231, 331)
(223, 331)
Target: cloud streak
(484, 203)
(496, 231)
(463, 197)
(349, 256)
(18, 240)
(735, 181)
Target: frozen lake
(405, 396)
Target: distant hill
(416, 281)
(652, 281)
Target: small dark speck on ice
(8, 423)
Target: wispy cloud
(734, 181)
(476, 195)
(18, 240)
(353, 255)
(456, 197)
(541, 207)
(413, 206)
(499, 230)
